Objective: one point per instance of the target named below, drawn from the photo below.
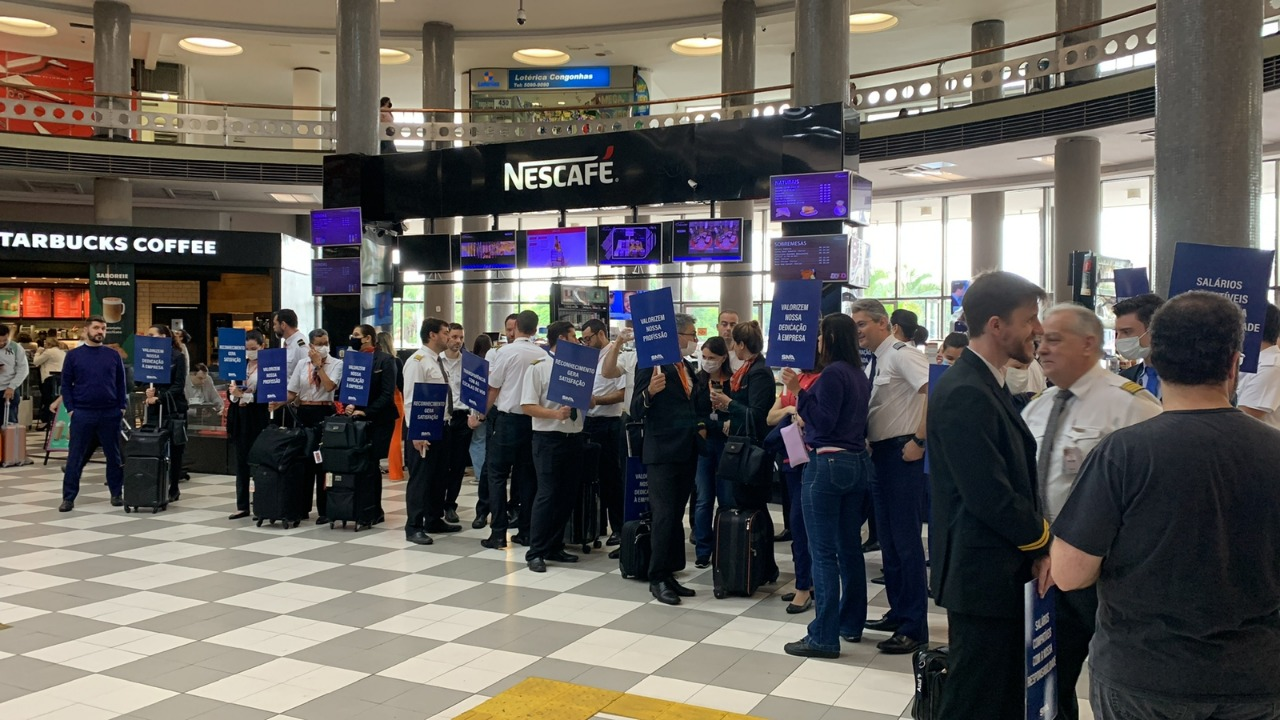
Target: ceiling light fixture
(697, 46)
(210, 46)
(543, 57)
(26, 27)
(392, 56)
(870, 22)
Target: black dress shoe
(900, 645)
(238, 515)
(805, 650)
(784, 536)
(418, 537)
(878, 580)
(787, 597)
(537, 565)
(614, 540)
(495, 542)
(174, 496)
(702, 562)
(451, 516)
(513, 516)
(478, 523)
(66, 506)
(562, 556)
(520, 539)
(852, 638)
(116, 501)
(322, 520)
(440, 526)
(615, 554)
(663, 593)
(884, 624)
(870, 546)
(793, 609)
(679, 589)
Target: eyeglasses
(584, 339)
(692, 334)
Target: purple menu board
(339, 226)
(813, 257)
(335, 276)
(812, 196)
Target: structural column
(983, 35)
(437, 72)
(475, 296)
(307, 93)
(986, 237)
(738, 72)
(822, 52)
(112, 59)
(112, 201)
(1077, 205)
(1208, 81)
(1072, 14)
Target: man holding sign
(428, 462)
(556, 395)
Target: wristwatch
(917, 441)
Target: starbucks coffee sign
(40, 242)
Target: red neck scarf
(735, 383)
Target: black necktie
(448, 389)
(872, 374)
(1046, 445)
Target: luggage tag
(317, 457)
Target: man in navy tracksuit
(94, 391)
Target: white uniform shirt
(50, 360)
(534, 392)
(605, 386)
(1261, 390)
(300, 380)
(896, 402)
(454, 369)
(508, 373)
(627, 366)
(1103, 403)
(296, 347)
(422, 367)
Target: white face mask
(711, 367)
(251, 354)
(690, 348)
(1130, 348)
(1016, 380)
(322, 349)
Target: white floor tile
(153, 576)
(407, 561)
(420, 588)
(285, 546)
(580, 610)
(718, 698)
(41, 559)
(166, 552)
(283, 569)
(23, 582)
(666, 689)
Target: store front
(544, 92)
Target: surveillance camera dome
(521, 17)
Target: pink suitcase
(14, 447)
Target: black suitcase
(340, 432)
(583, 528)
(743, 559)
(354, 498)
(146, 470)
(636, 549)
(278, 469)
(930, 665)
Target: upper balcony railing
(900, 91)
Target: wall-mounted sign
(577, 78)
(45, 242)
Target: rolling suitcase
(13, 446)
(345, 447)
(583, 528)
(354, 498)
(743, 559)
(636, 549)
(146, 470)
(278, 469)
(930, 665)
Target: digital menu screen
(556, 248)
(10, 302)
(37, 302)
(811, 257)
(70, 303)
(493, 250)
(811, 196)
(335, 276)
(336, 227)
(427, 253)
(631, 244)
(707, 240)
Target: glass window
(882, 237)
(920, 249)
(1023, 246)
(1126, 220)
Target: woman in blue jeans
(784, 410)
(837, 479)
(714, 371)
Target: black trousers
(49, 388)
(313, 416)
(986, 674)
(245, 423)
(670, 485)
(510, 456)
(380, 434)
(428, 483)
(459, 446)
(607, 433)
(554, 457)
(1075, 622)
(489, 428)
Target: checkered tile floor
(185, 614)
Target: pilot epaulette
(1037, 395)
(1132, 387)
(535, 362)
(301, 342)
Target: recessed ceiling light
(697, 46)
(869, 22)
(391, 56)
(26, 27)
(540, 56)
(210, 46)
(293, 197)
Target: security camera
(693, 184)
(521, 17)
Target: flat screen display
(492, 250)
(335, 276)
(811, 257)
(811, 196)
(707, 240)
(631, 244)
(556, 248)
(37, 302)
(70, 303)
(620, 304)
(427, 253)
(336, 227)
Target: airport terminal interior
(240, 174)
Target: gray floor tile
(837, 713)
(510, 600)
(547, 638)
(427, 701)
(609, 679)
(778, 707)
(120, 544)
(345, 553)
(501, 633)
(179, 679)
(758, 672)
(350, 578)
(68, 627)
(335, 706)
(234, 660)
(357, 610)
(367, 660)
(9, 692)
(179, 707)
(51, 600)
(17, 640)
(203, 629)
(217, 586)
(94, 567)
(615, 588)
(234, 712)
(702, 663)
(647, 619)
(190, 654)
(476, 569)
(378, 690)
(694, 625)
(35, 675)
(224, 559)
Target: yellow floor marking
(540, 699)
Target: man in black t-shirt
(1175, 519)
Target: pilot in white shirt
(1258, 393)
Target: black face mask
(355, 343)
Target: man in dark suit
(988, 534)
(1133, 342)
(663, 401)
(381, 411)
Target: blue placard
(797, 312)
(426, 411)
(935, 374)
(635, 499)
(152, 359)
(273, 375)
(475, 382)
(654, 316)
(232, 364)
(1041, 653)
(558, 79)
(573, 375)
(357, 374)
(1239, 274)
(1131, 282)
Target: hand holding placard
(153, 359)
(273, 376)
(797, 313)
(657, 341)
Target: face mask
(1016, 380)
(711, 367)
(355, 343)
(1131, 348)
(945, 361)
(322, 349)
(690, 347)
(251, 354)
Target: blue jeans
(709, 493)
(477, 451)
(898, 488)
(833, 493)
(87, 426)
(799, 535)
